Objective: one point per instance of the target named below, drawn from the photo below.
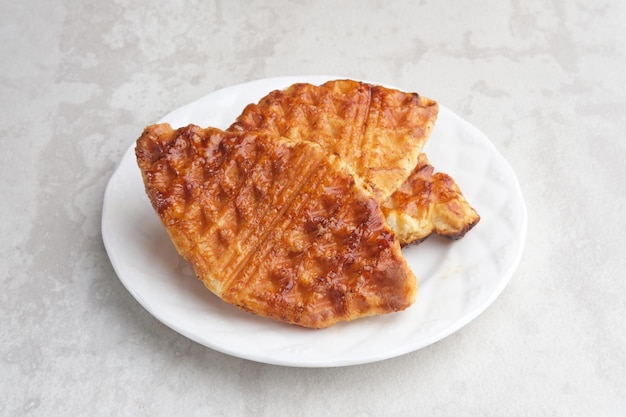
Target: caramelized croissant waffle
(276, 227)
(380, 133)
(298, 211)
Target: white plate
(457, 279)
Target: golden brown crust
(378, 131)
(276, 227)
(428, 203)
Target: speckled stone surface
(80, 79)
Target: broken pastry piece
(378, 131)
(276, 227)
(428, 203)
